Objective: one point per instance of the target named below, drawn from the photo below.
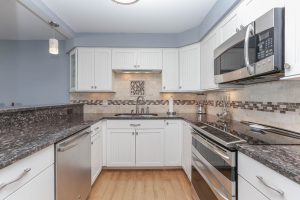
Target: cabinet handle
(92, 142)
(132, 133)
(96, 128)
(261, 179)
(136, 133)
(92, 87)
(167, 123)
(135, 125)
(95, 87)
(22, 175)
(180, 87)
(164, 87)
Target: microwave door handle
(249, 32)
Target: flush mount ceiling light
(53, 42)
(125, 2)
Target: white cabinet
(187, 150)
(137, 59)
(207, 61)
(121, 147)
(247, 191)
(36, 176)
(90, 70)
(292, 39)
(189, 70)
(102, 71)
(173, 143)
(96, 151)
(170, 72)
(230, 25)
(250, 10)
(85, 69)
(149, 147)
(265, 180)
(40, 187)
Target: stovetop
(235, 132)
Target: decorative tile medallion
(137, 88)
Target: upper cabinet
(229, 26)
(189, 68)
(209, 43)
(90, 70)
(292, 39)
(137, 59)
(170, 72)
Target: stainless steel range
(214, 154)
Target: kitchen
(129, 99)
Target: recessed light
(125, 2)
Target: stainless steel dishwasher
(73, 166)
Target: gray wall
(30, 75)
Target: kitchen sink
(136, 115)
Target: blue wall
(219, 10)
(30, 75)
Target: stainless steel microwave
(255, 53)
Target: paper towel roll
(171, 104)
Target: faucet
(138, 103)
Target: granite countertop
(284, 159)
(19, 142)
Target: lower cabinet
(187, 150)
(149, 147)
(96, 155)
(173, 143)
(248, 192)
(120, 147)
(40, 187)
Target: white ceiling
(146, 16)
(17, 23)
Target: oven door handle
(249, 32)
(203, 167)
(221, 154)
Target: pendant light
(125, 2)
(53, 42)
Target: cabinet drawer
(251, 170)
(137, 124)
(40, 187)
(35, 164)
(96, 128)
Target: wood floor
(141, 185)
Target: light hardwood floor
(141, 185)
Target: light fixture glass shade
(53, 46)
(125, 2)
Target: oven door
(236, 57)
(213, 170)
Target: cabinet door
(103, 71)
(187, 150)
(207, 61)
(292, 39)
(124, 59)
(248, 192)
(190, 67)
(85, 67)
(96, 156)
(149, 59)
(250, 10)
(230, 25)
(170, 71)
(173, 143)
(73, 70)
(120, 148)
(149, 147)
(40, 187)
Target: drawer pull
(279, 191)
(3, 185)
(97, 128)
(135, 125)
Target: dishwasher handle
(71, 143)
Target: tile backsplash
(127, 87)
(274, 103)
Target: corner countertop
(19, 142)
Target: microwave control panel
(265, 44)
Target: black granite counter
(284, 159)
